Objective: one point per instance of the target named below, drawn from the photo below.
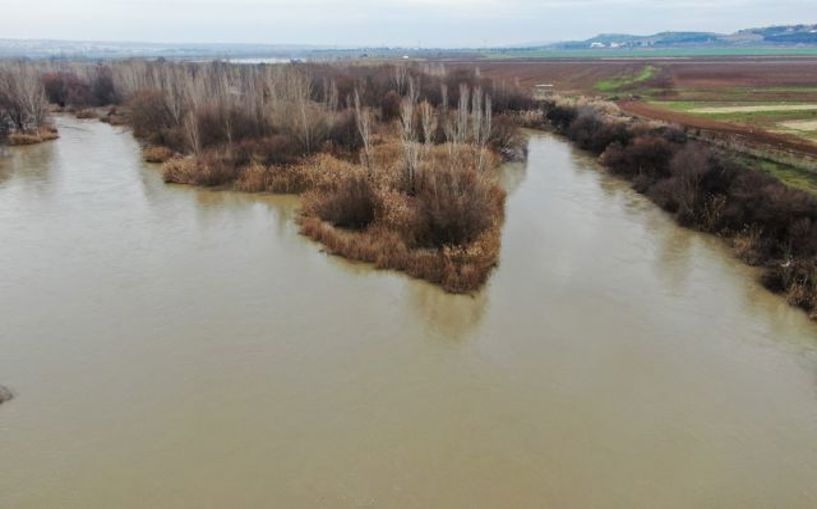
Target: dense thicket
(190, 107)
(396, 163)
(23, 105)
(769, 223)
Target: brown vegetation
(396, 164)
(33, 137)
(675, 74)
(85, 113)
(716, 80)
(157, 154)
(23, 105)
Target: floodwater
(171, 347)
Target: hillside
(774, 36)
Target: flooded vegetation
(176, 346)
(397, 163)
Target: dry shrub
(797, 279)
(278, 149)
(455, 205)
(85, 113)
(593, 131)
(257, 178)
(148, 113)
(351, 204)
(507, 140)
(207, 170)
(462, 269)
(41, 135)
(321, 171)
(426, 206)
(64, 89)
(447, 232)
(682, 192)
(647, 156)
(19, 139)
(748, 245)
(157, 154)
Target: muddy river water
(172, 347)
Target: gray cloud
(386, 22)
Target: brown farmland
(675, 74)
(705, 81)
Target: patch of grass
(769, 120)
(789, 175)
(612, 85)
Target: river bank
(705, 187)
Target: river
(174, 347)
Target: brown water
(173, 347)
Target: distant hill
(771, 40)
(774, 36)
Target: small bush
(454, 206)
(797, 280)
(349, 205)
(647, 156)
(85, 114)
(207, 170)
(157, 154)
(592, 132)
(278, 149)
(148, 113)
(32, 138)
(507, 140)
(67, 89)
(561, 115)
(103, 90)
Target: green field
(620, 82)
(793, 177)
(769, 120)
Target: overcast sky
(383, 22)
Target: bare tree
(363, 119)
(408, 136)
(428, 117)
(22, 96)
(401, 78)
(460, 134)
